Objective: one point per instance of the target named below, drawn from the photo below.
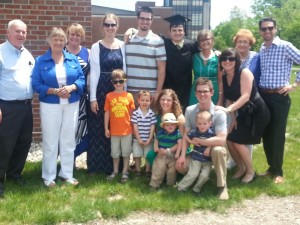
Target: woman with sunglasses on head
(205, 64)
(106, 55)
(248, 112)
(75, 36)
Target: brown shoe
(278, 179)
(267, 173)
(223, 193)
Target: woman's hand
(226, 110)
(94, 107)
(69, 88)
(233, 125)
(181, 162)
(63, 93)
(107, 133)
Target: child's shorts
(140, 151)
(121, 145)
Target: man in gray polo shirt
(204, 92)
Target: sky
(220, 9)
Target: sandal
(124, 178)
(50, 184)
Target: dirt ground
(264, 210)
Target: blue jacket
(44, 77)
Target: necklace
(207, 58)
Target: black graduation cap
(177, 19)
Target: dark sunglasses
(225, 58)
(118, 81)
(264, 29)
(109, 24)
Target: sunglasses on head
(264, 29)
(109, 24)
(118, 81)
(225, 58)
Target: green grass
(96, 198)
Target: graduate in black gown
(179, 59)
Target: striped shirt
(276, 63)
(166, 140)
(144, 122)
(142, 54)
(197, 153)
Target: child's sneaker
(111, 177)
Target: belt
(269, 91)
(24, 102)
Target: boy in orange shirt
(118, 108)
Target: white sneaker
(50, 183)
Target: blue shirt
(276, 62)
(44, 77)
(15, 72)
(252, 62)
(197, 153)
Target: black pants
(15, 137)
(274, 135)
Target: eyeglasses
(109, 25)
(202, 92)
(145, 19)
(206, 39)
(264, 29)
(118, 81)
(225, 58)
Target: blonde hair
(77, 28)
(56, 32)
(244, 33)
(204, 115)
(118, 73)
(110, 16)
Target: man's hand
(0, 116)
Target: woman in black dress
(106, 55)
(249, 113)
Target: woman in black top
(249, 113)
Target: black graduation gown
(179, 69)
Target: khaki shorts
(140, 151)
(121, 145)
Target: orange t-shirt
(120, 106)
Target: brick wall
(40, 16)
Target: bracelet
(168, 151)
(55, 91)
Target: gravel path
(263, 210)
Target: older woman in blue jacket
(58, 79)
